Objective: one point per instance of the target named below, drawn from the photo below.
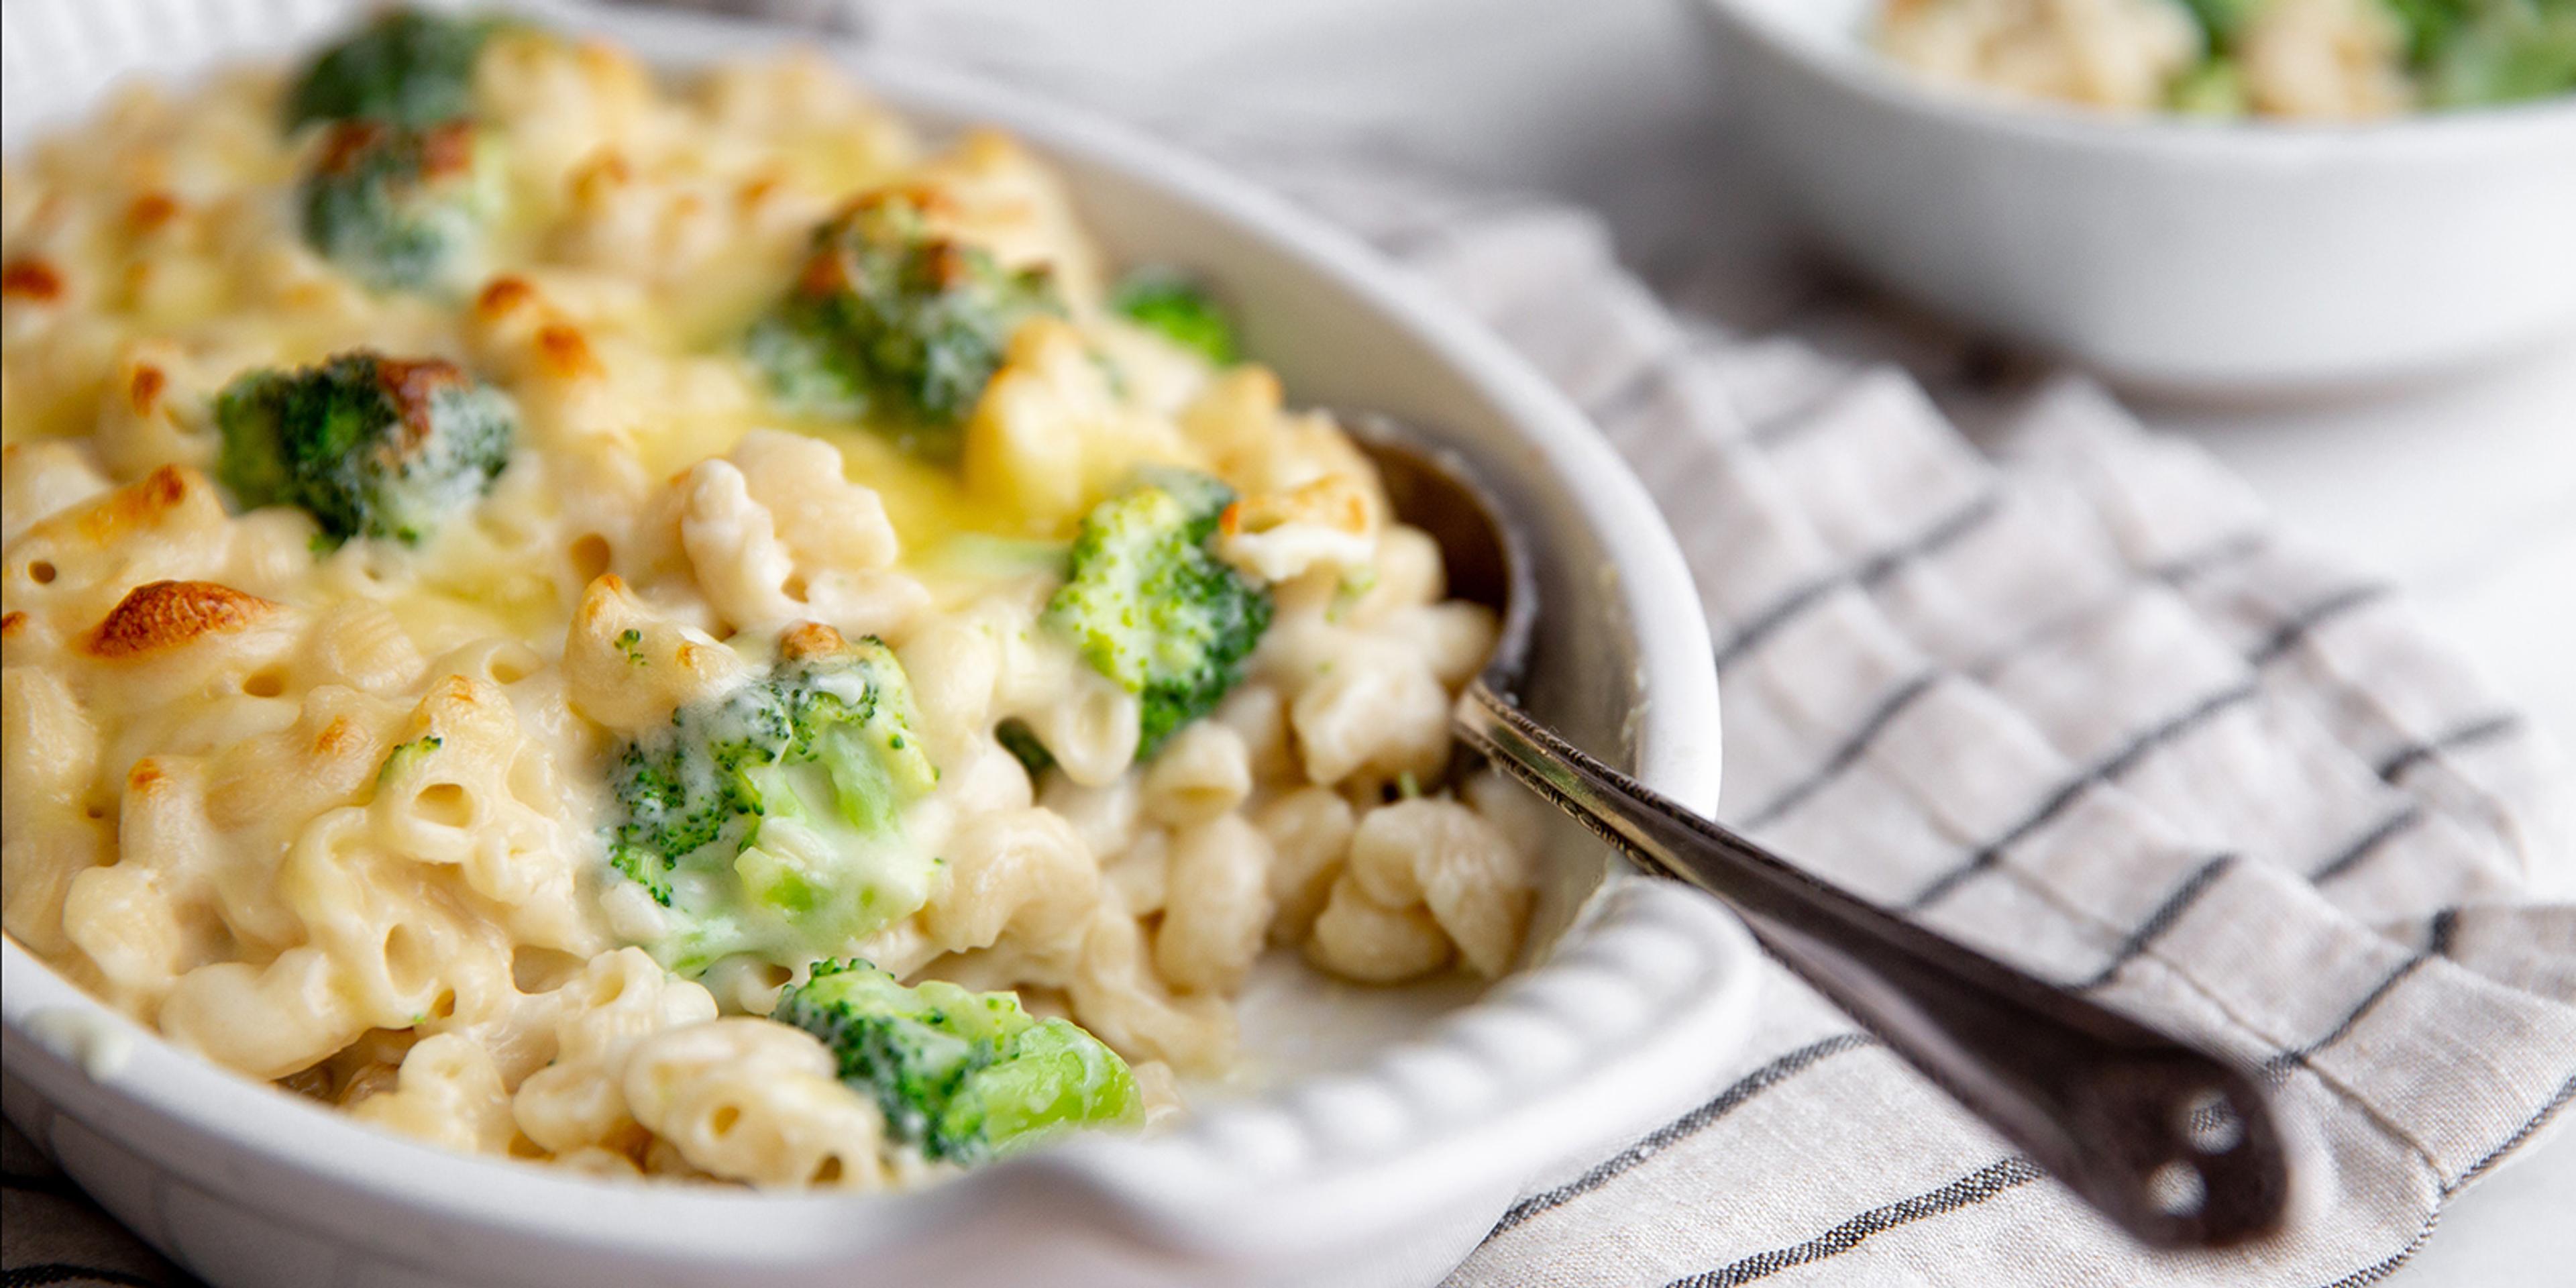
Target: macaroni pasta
(342, 809)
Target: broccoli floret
(398, 208)
(1151, 606)
(2462, 53)
(408, 67)
(769, 819)
(371, 446)
(2470, 53)
(964, 1076)
(2215, 88)
(891, 323)
(2220, 20)
(1179, 309)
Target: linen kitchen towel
(2073, 699)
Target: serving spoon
(2175, 1145)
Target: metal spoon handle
(2175, 1145)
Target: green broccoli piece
(398, 208)
(2215, 89)
(1180, 310)
(963, 1076)
(409, 67)
(890, 323)
(770, 819)
(2470, 53)
(1151, 606)
(404, 755)
(2221, 20)
(371, 446)
(1017, 739)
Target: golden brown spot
(809, 639)
(151, 211)
(599, 601)
(412, 385)
(339, 740)
(447, 149)
(166, 486)
(504, 295)
(11, 624)
(144, 391)
(143, 503)
(599, 58)
(607, 167)
(30, 278)
(948, 263)
(139, 276)
(167, 614)
(757, 190)
(823, 275)
(1231, 521)
(931, 201)
(1354, 513)
(145, 775)
(567, 353)
(346, 142)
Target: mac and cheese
(367, 786)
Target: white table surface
(2463, 493)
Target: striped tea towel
(2075, 701)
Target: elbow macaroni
(2311, 59)
(335, 817)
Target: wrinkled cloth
(2065, 693)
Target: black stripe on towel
(1783, 425)
(1967, 1191)
(2386, 1266)
(2283, 1062)
(1633, 390)
(1682, 1128)
(2162, 919)
(2298, 625)
(2438, 936)
(1844, 756)
(1938, 536)
(2350, 857)
(2217, 554)
(2103, 771)
(2466, 735)
(2530, 1127)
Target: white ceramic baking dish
(1393, 1136)
(2255, 257)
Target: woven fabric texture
(2067, 694)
